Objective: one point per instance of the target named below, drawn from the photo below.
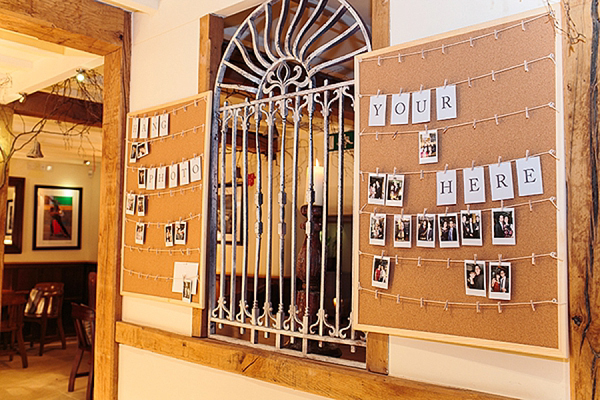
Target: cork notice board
(148, 267)
(508, 79)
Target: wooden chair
(45, 303)
(92, 280)
(85, 326)
(13, 304)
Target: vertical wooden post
(582, 150)
(6, 117)
(108, 302)
(211, 40)
(378, 343)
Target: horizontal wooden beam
(306, 375)
(85, 25)
(60, 108)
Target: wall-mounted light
(80, 75)
(87, 162)
(23, 97)
(36, 150)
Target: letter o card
(400, 109)
(529, 176)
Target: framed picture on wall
(13, 231)
(57, 218)
(229, 209)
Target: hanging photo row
(174, 175)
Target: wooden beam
(378, 343)
(108, 300)
(581, 72)
(306, 375)
(211, 40)
(380, 22)
(60, 108)
(85, 25)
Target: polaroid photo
(377, 229)
(180, 232)
(503, 226)
(475, 278)
(140, 232)
(169, 235)
(130, 203)
(394, 190)
(135, 127)
(448, 230)
(470, 228)
(141, 178)
(186, 293)
(184, 173)
(133, 152)
(500, 286)
(196, 169)
(376, 194)
(143, 149)
(402, 231)
(425, 230)
(381, 272)
(428, 147)
(151, 179)
(141, 205)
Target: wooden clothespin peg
(532, 305)
(376, 135)
(422, 302)
(448, 263)
(379, 61)
(402, 213)
(493, 76)
(475, 258)
(526, 155)
(499, 259)
(376, 294)
(530, 206)
(424, 212)
(499, 308)
(499, 160)
(446, 213)
(382, 252)
(421, 174)
(474, 124)
(495, 34)
(396, 263)
(399, 57)
(423, 54)
(496, 118)
(526, 112)
(477, 307)
(532, 258)
(446, 306)
(394, 136)
(362, 176)
(523, 24)
(468, 209)
(394, 171)
(421, 89)
(472, 165)
(471, 41)
(378, 92)
(443, 52)
(398, 299)
(446, 169)
(419, 261)
(377, 170)
(502, 204)
(445, 83)
(525, 66)
(469, 81)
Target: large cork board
(421, 301)
(147, 269)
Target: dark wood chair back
(84, 318)
(13, 305)
(45, 303)
(92, 280)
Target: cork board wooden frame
(421, 300)
(147, 269)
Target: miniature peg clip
(424, 212)
(422, 302)
(499, 308)
(493, 76)
(443, 52)
(502, 204)
(477, 307)
(446, 213)
(472, 165)
(475, 258)
(376, 294)
(398, 299)
(469, 81)
(495, 34)
(421, 174)
(394, 170)
(423, 54)
(394, 136)
(421, 88)
(530, 206)
(382, 252)
(446, 306)
(419, 261)
(448, 263)
(396, 259)
(378, 92)
(445, 83)
(527, 155)
(376, 135)
(471, 41)
(399, 57)
(532, 305)
(446, 168)
(526, 112)
(474, 124)
(468, 209)
(525, 66)
(499, 258)
(379, 61)
(499, 160)
(532, 258)
(496, 118)
(523, 24)
(377, 170)
(402, 213)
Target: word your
(401, 105)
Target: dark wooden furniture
(85, 327)
(45, 303)
(13, 305)
(92, 283)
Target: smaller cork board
(508, 80)
(149, 253)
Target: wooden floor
(47, 377)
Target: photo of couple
(376, 189)
(428, 147)
(470, 224)
(402, 229)
(475, 278)
(381, 272)
(448, 230)
(377, 229)
(503, 226)
(500, 281)
(425, 230)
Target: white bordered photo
(377, 229)
(448, 230)
(428, 147)
(475, 281)
(470, 228)
(425, 230)
(503, 226)
(402, 231)
(394, 190)
(141, 178)
(381, 272)
(376, 189)
(140, 233)
(500, 286)
(169, 235)
(186, 293)
(141, 205)
(180, 232)
(143, 149)
(130, 204)
(133, 152)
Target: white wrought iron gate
(279, 281)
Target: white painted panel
(148, 376)
(478, 369)
(156, 314)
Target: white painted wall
(165, 68)
(445, 364)
(35, 173)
